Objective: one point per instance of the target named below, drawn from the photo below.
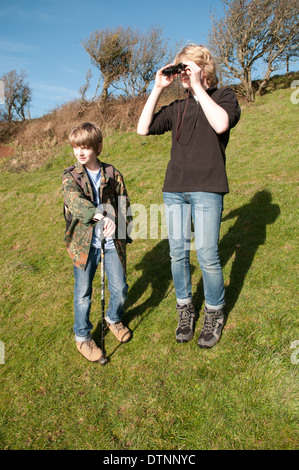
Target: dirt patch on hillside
(6, 151)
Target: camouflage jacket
(79, 211)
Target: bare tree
(17, 94)
(128, 60)
(110, 51)
(282, 38)
(148, 55)
(253, 30)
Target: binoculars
(173, 69)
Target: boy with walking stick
(95, 191)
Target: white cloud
(17, 47)
(31, 13)
(53, 91)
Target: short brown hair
(203, 58)
(87, 134)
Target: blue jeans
(205, 210)
(117, 286)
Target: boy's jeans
(117, 286)
(206, 211)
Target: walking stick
(103, 359)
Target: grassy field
(155, 393)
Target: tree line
(249, 33)
(253, 31)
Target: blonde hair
(203, 58)
(86, 134)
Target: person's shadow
(156, 274)
(242, 241)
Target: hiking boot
(214, 322)
(187, 319)
(89, 350)
(120, 331)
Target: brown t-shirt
(197, 160)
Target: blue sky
(43, 37)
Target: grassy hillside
(155, 393)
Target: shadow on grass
(241, 243)
(156, 273)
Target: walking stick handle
(102, 237)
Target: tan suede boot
(89, 350)
(120, 331)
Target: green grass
(156, 394)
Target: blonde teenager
(195, 182)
